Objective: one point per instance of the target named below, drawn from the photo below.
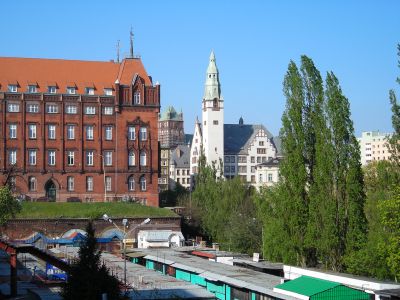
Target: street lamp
(126, 233)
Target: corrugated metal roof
(307, 286)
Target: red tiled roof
(63, 73)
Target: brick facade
(96, 142)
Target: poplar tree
(394, 140)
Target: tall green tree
(89, 279)
(394, 140)
(9, 206)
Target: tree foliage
(9, 206)
(89, 279)
(315, 214)
(225, 210)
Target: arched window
(215, 103)
(143, 158)
(131, 183)
(32, 183)
(142, 183)
(131, 158)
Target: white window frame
(12, 128)
(70, 158)
(89, 132)
(143, 158)
(89, 157)
(90, 110)
(131, 158)
(269, 177)
(32, 183)
(52, 89)
(108, 132)
(143, 184)
(131, 183)
(12, 88)
(51, 157)
(70, 132)
(32, 108)
(32, 131)
(136, 98)
(32, 89)
(108, 110)
(51, 132)
(143, 134)
(70, 183)
(89, 183)
(89, 90)
(71, 109)
(32, 157)
(131, 133)
(108, 158)
(108, 92)
(52, 108)
(12, 157)
(108, 183)
(13, 107)
(71, 90)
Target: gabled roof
(237, 137)
(67, 73)
(180, 156)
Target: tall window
(32, 108)
(13, 107)
(143, 157)
(108, 133)
(131, 133)
(13, 131)
(32, 183)
(89, 183)
(89, 158)
(136, 98)
(90, 110)
(108, 183)
(52, 132)
(131, 183)
(131, 160)
(70, 158)
(269, 177)
(108, 158)
(143, 183)
(70, 183)
(71, 132)
(143, 134)
(71, 109)
(32, 157)
(32, 89)
(32, 131)
(12, 157)
(51, 157)
(89, 132)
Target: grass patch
(43, 210)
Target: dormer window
(108, 92)
(136, 98)
(52, 89)
(32, 89)
(12, 88)
(71, 90)
(89, 91)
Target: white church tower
(213, 116)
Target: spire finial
(131, 38)
(118, 51)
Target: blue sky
(253, 42)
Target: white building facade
(374, 146)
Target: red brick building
(82, 130)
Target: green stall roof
(316, 288)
